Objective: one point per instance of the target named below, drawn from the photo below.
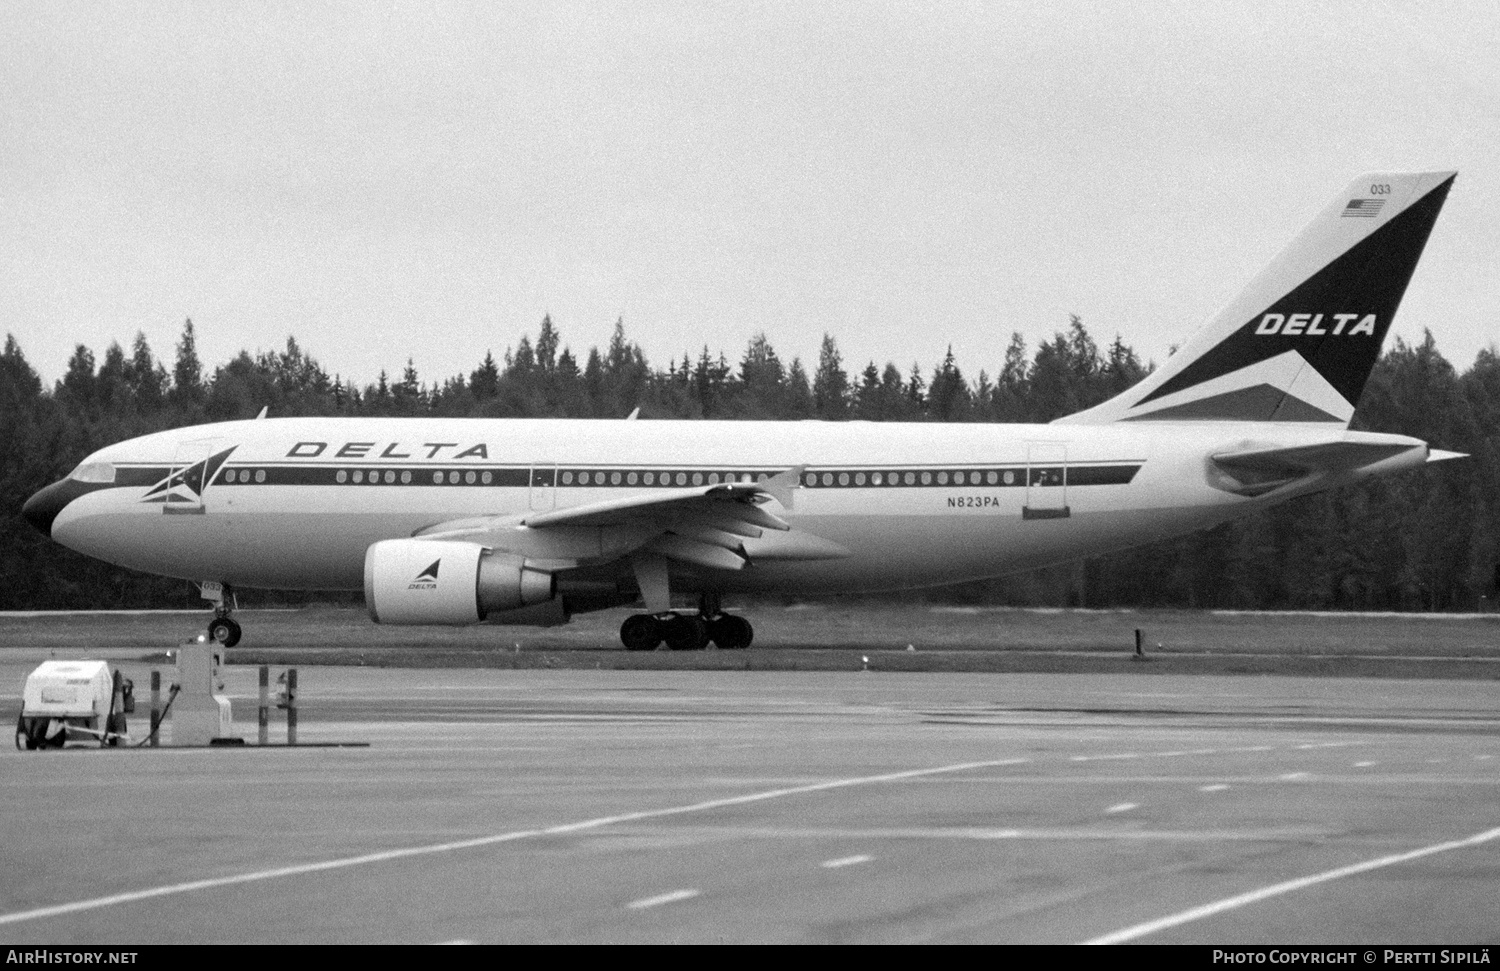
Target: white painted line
(670, 897)
(1275, 890)
(1106, 758)
(844, 861)
(1363, 765)
(1292, 776)
(1216, 787)
(1123, 807)
(563, 829)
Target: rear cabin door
(1046, 481)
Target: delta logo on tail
(1298, 344)
(1312, 325)
(427, 579)
(186, 485)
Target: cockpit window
(94, 472)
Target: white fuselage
(296, 502)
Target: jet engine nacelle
(423, 581)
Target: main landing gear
(687, 632)
(222, 629)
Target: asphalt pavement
(735, 806)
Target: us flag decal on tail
(1363, 208)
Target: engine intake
(420, 581)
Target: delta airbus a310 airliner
(458, 521)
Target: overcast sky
(427, 180)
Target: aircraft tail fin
(1299, 342)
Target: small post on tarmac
(265, 704)
(291, 706)
(155, 708)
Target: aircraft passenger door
(184, 493)
(543, 487)
(1046, 481)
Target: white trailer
(66, 700)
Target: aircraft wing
(733, 502)
(720, 526)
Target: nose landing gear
(222, 629)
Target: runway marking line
(563, 829)
(670, 897)
(844, 861)
(1123, 807)
(1276, 889)
(1216, 787)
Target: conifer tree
(484, 381)
(147, 378)
(948, 399)
(546, 346)
(830, 388)
(187, 372)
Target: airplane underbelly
(894, 552)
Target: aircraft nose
(41, 509)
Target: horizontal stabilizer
(1440, 455)
(1255, 471)
(1324, 457)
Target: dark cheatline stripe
(140, 475)
(1092, 475)
(572, 477)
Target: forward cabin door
(543, 487)
(1046, 481)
